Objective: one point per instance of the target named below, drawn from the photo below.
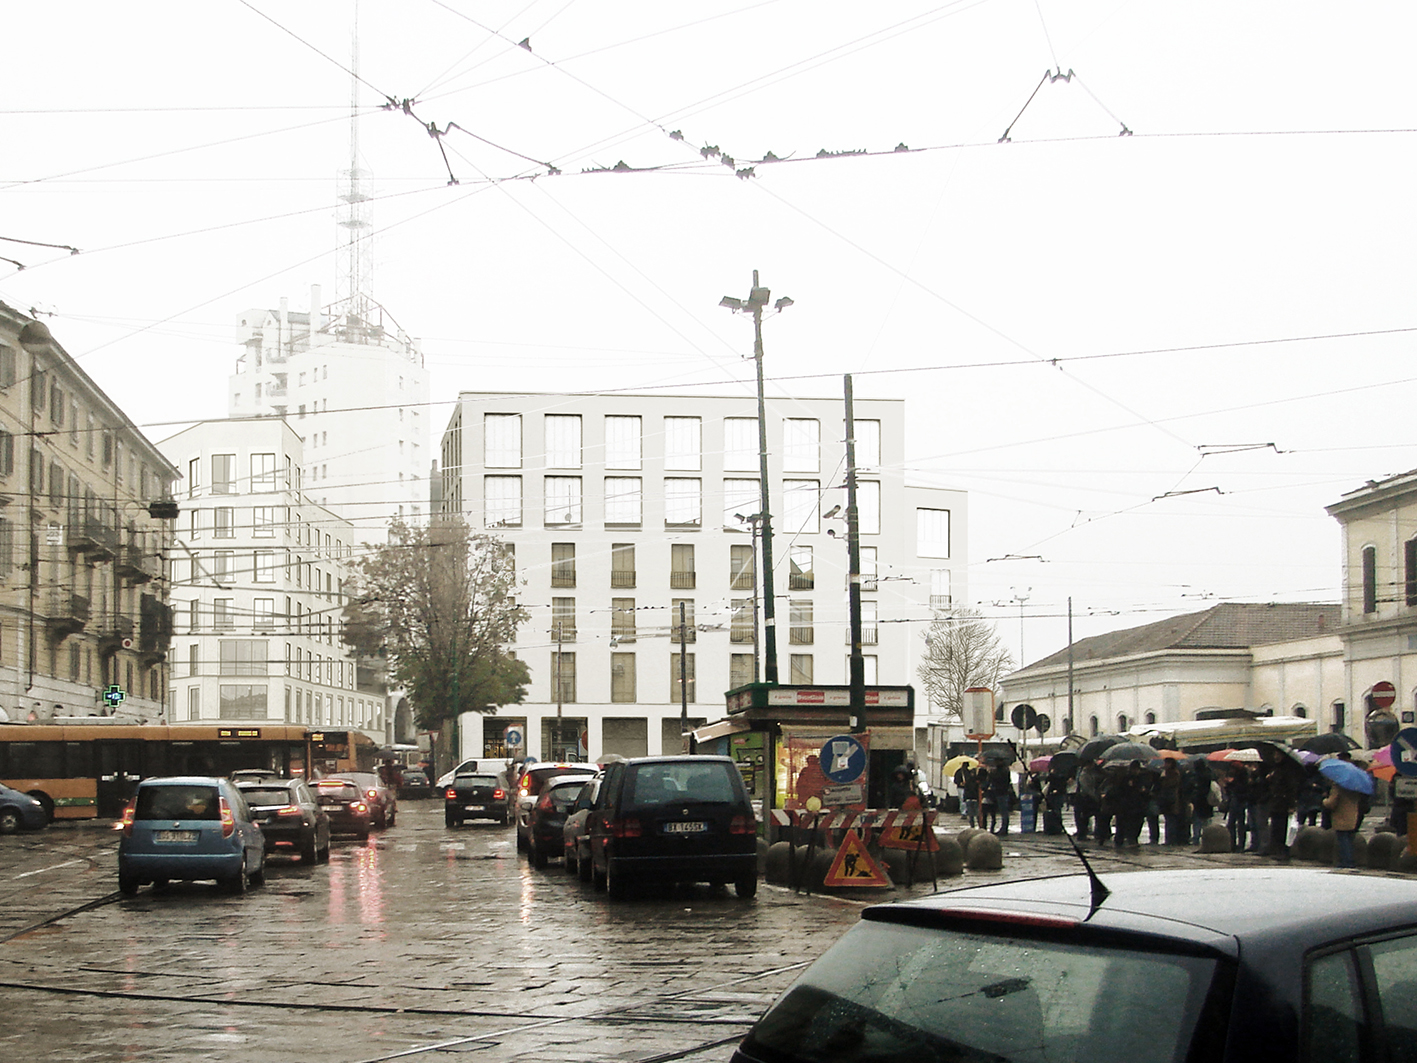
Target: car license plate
(175, 836)
(691, 826)
(472, 808)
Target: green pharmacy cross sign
(114, 696)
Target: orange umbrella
(1171, 754)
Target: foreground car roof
(1301, 906)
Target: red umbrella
(1219, 754)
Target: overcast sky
(1082, 321)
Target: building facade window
(622, 620)
(740, 670)
(263, 472)
(263, 522)
(742, 568)
(801, 445)
(800, 576)
(868, 443)
(1370, 579)
(622, 678)
(563, 440)
(868, 568)
(681, 621)
(502, 501)
(868, 507)
(681, 691)
(932, 532)
(223, 522)
(241, 701)
(801, 507)
(869, 635)
(223, 474)
(222, 619)
(741, 498)
(563, 500)
(940, 588)
(563, 619)
(563, 564)
(800, 630)
(1409, 566)
(264, 566)
(623, 448)
(502, 441)
(624, 500)
(242, 656)
(563, 676)
(683, 444)
(683, 502)
(681, 566)
(740, 627)
(740, 444)
(801, 669)
(622, 565)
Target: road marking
(52, 867)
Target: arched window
(1151, 717)
(1092, 726)
(1338, 718)
(1301, 712)
(1122, 723)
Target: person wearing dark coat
(1171, 800)
(1237, 799)
(1282, 781)
(1001, 787)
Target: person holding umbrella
(1343, 805)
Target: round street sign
(1404, 751)
(843, 759)
(1383, 695)
(512, 736)
(1024, 717)
(1043, 723)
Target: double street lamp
(756, 302)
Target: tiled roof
(1228, 626)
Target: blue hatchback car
(20, 812)
(188, 828)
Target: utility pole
(857, 676)
(556, 734)
(757, 299)
(683, 675)
(1070, 664)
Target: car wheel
(616, 888)
(746, 887)
(569, 859)
(521, 842)
(597, 878)
(127, 885)
(538, 855)
(363, 835)
(160, 885)
(237, 882)
(393, 817)
(258, 877)
(9, 821)
(324, 854)
(449, 820)
(308, 852)
(502, 819)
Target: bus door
(120, 766)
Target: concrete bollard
(895, 861)
(1360, 851)
(1309, 845)
(1215, 839)
(1384, 848)
(963, 837)
(775, 863)
(1405, 862)
(985, 853)
(949, 860)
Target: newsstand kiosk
(776, 734)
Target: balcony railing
(940, 601)
(682, 580)
(621, 577)
(68, 614)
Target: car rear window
(178, 802)
(889, 993)
(274, 796)
(658, 784)
(475, 780)
(343, 791)
(564, 796)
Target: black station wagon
(1243, 965)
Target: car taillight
(228, 820)
(359, 808)
(371, 794)
(743, 825)
(127, 825)
(499, 794)
(625, 828)
(451, 795)
(545, 803)
(288, 810)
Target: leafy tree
(438, 602)
(962, 650)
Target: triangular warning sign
(904, 835)
(853, 865)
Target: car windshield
(658, 784)
(193, 801)
(262, 798)
(888, 993)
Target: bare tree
(962, 650)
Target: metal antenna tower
(355, 258)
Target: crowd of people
(1174, 800)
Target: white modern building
(258, 575)
(623, 508)
(356, 390)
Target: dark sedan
(1252, 965)
(414, 785)
(290, 817)
(20, 812)
(344, 803)
(546, 819)
(475, 796)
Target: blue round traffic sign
(1404, 751)
(843, 759)
(512, 736)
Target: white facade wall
(258, 576)
(716, 478)
(359, 399)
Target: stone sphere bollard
(1404, 862)
(963, 836)
(815, 877)
(1215, 839)
(1360, 851)
(762, 856)
(949, 860)
(1384, 848)
(895, 862)
(984, 853)
(1309, 844)
(775, 863)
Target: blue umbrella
(1347, 775)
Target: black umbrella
(1333, 742)
(1063, 764)
(1097, 746)
(1126, 752)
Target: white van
(477, 766)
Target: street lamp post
(757, 299)
(753, 520)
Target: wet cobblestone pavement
(424, 943)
